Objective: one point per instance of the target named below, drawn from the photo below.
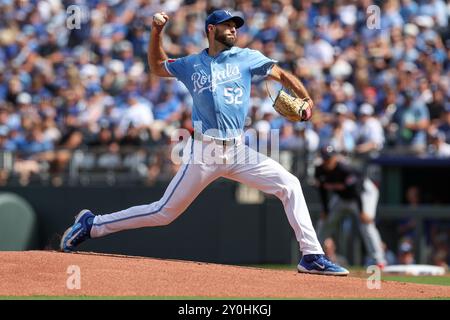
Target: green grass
(436, 280)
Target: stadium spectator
(168, 108)
(413, 200)
(406, 252)
(414, 122)
(436, 107)
(298, 137)
(438, 147)
(444, 127)
(341, 131)
(138, 113)
(370, 136)
(438, 239)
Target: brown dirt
(32, 273)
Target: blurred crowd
(76, 78)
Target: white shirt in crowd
(371, 131)
(138, 115)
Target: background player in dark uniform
(344, 190)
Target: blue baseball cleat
(78, 232)
(319, 264)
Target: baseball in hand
(159, 19)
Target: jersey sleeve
(260, 64)
(176, 67)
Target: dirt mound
(48, 273)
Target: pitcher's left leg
(269, 176)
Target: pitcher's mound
(49, 273)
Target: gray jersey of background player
(343, 189)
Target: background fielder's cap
(220, 16)
(328, 151)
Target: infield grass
(436, 280)
(360, 272)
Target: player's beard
(228, 42)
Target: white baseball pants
(239, 163)
(369, 232)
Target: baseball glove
(292, 107)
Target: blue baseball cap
(220, 16)
(327, 152)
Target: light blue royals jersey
(220, 87)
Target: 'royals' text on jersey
(220, 86)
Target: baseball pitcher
(219, 80)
